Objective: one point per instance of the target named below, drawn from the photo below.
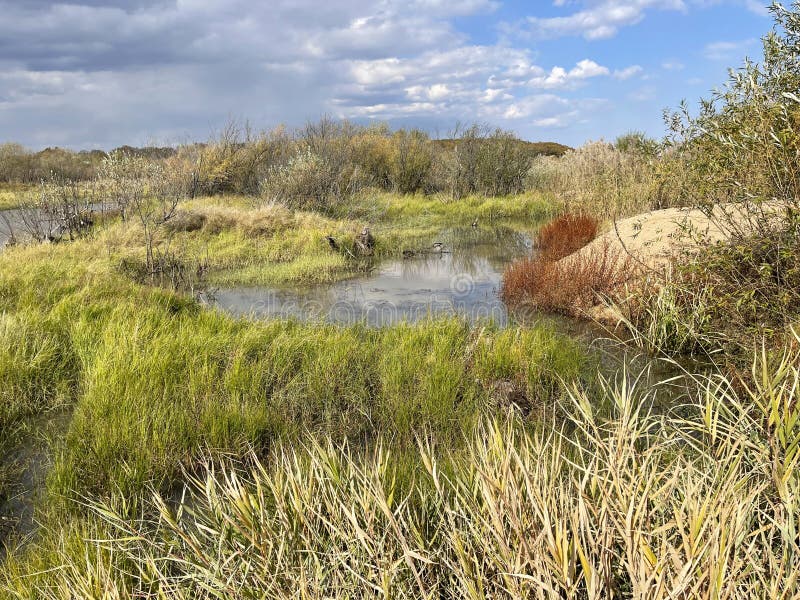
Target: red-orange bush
(568, 286)
(566, 234)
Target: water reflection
(464, 279)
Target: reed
(697, 502)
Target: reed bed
(697, 502)
(602, 180)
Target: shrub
(738, 161)
(565, 234)
(744, 145)
(306, 182)
(411, 161)
(571, 285)
(485, 162)
(235, 161)
(722, 296)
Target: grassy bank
(13, 195)
(246, 241)
(154, 380)
(590, 507)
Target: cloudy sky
(100, 73)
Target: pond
(460, 273)
(12, 222)
(25, 224)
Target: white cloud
(599, 20)
(758, 7)
(727, 51)
(560, 78)
(628, 72)
(105, 72)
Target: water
(20, 222)
(12, 222)
(463, 279)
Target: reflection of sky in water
(19, 221)
(11, 221)
(464, 281)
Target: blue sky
(94, 73)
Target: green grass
(152, 383)
(696, 503)
(155, 380)
(247, 245)
(174, 381)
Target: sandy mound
(652, 238)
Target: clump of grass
(667, 318)
(565, 234)
(215, 218)
(38, 373)
(180, 383)
(609, 509)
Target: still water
(463, 278)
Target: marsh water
(459, 273)
(12, 222)
(464, 279)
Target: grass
(152, 384)
(14, 195)
(207, 456)
(175, 380)
(246, 244)
(609, 509)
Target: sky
(99, 74)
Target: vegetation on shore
(204, 456)
(591, 507)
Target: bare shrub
(307, 181)
(143, 190)
(62, 210)
(411, 161)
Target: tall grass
(156, 379)
(701, 502)
(603, 180)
